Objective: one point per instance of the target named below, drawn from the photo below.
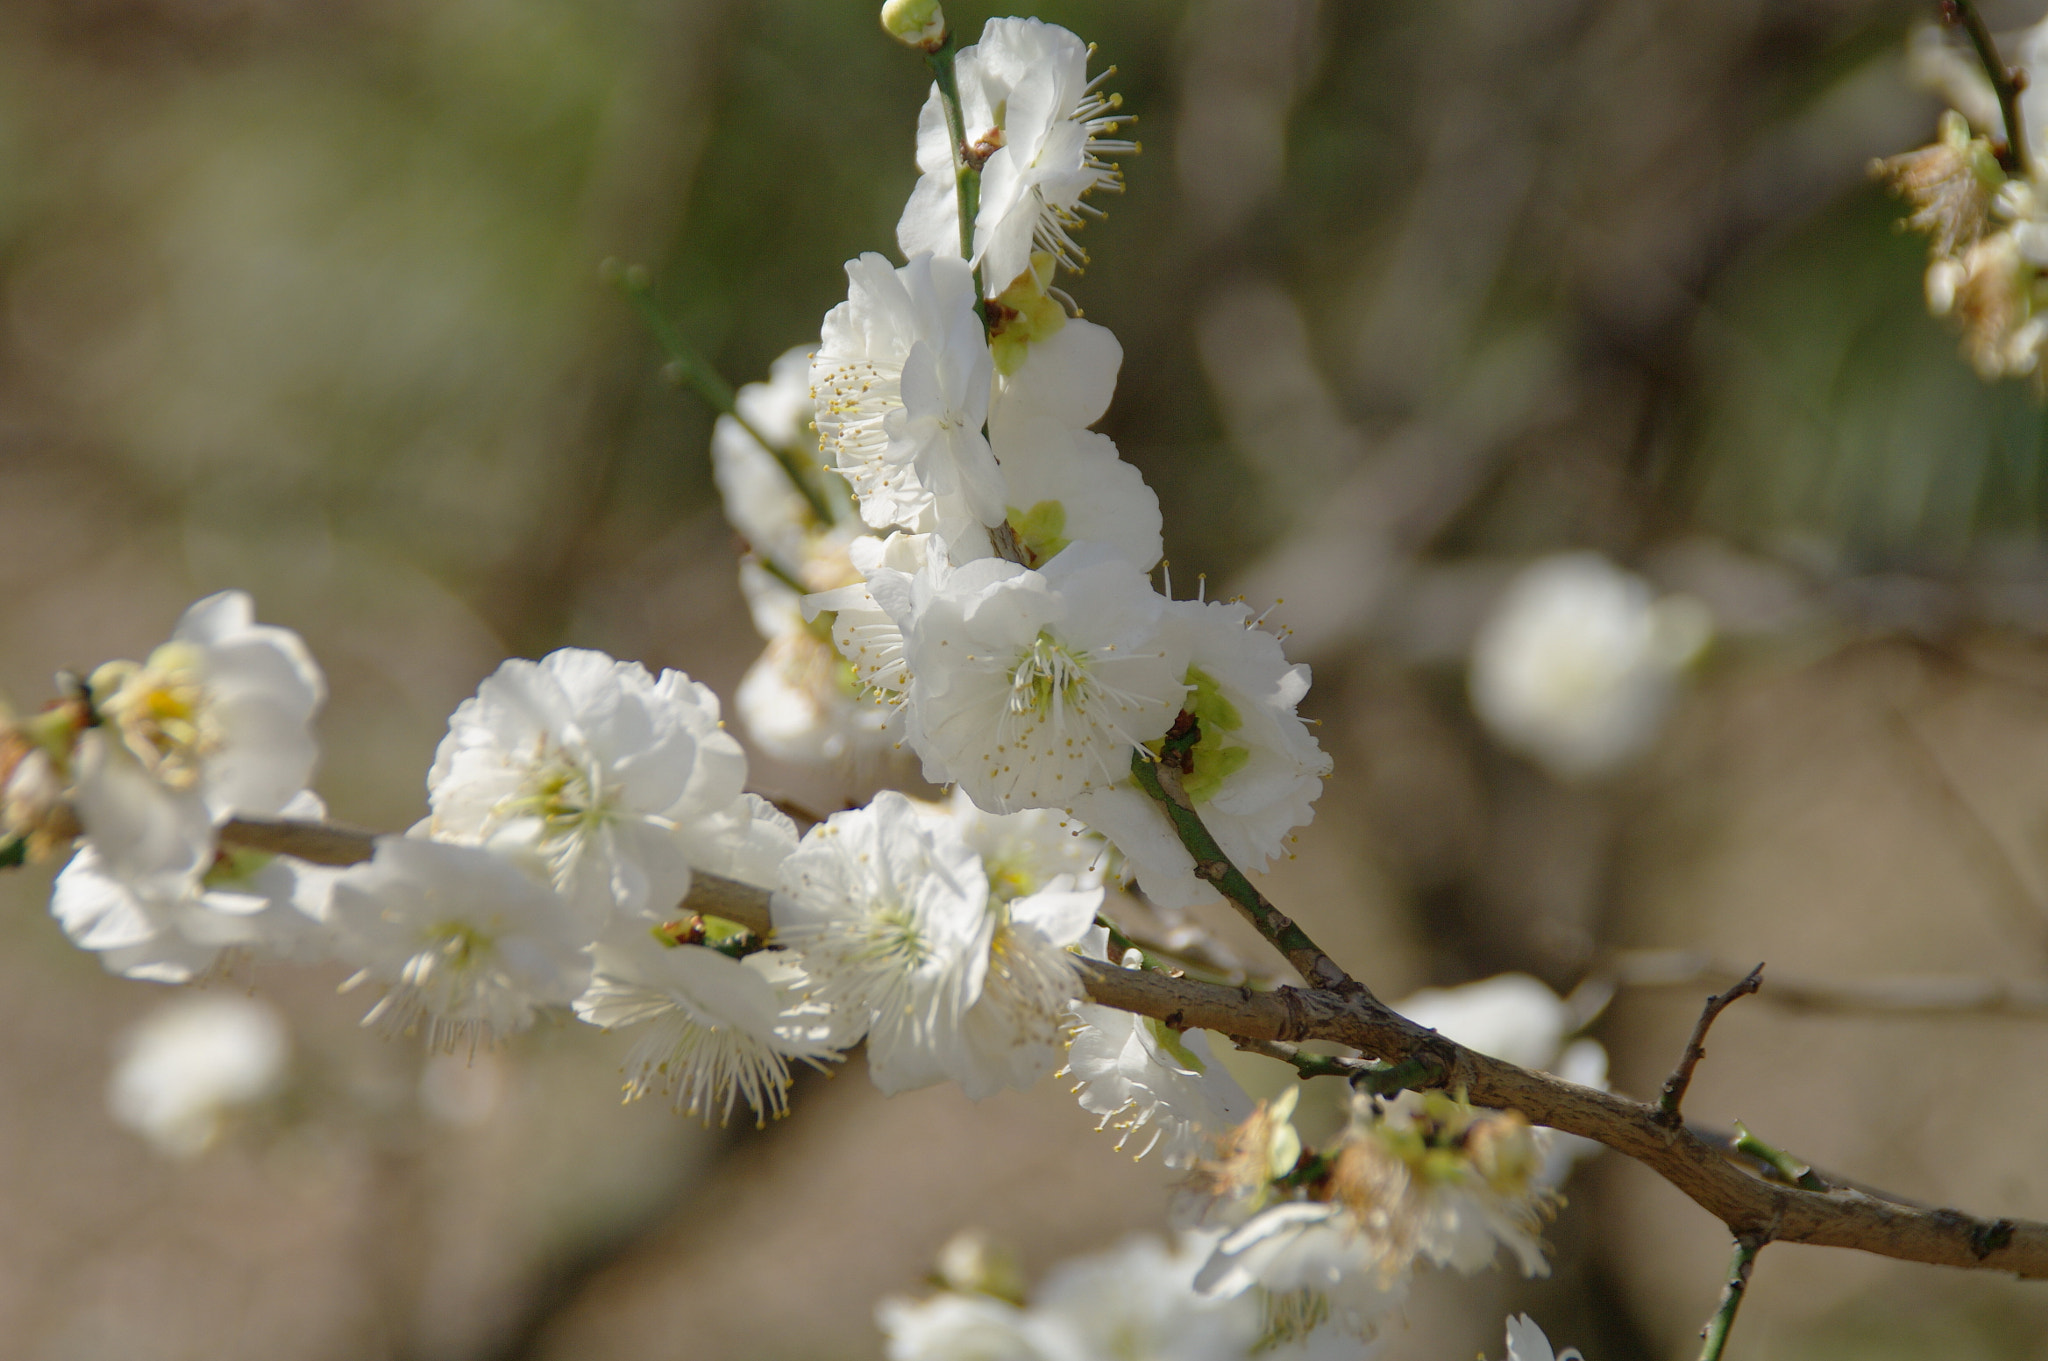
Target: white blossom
(891, 917)
(464, 944)
(1030, 689)
(1065, 485)
(902, 381)
(1526, 1342)
(611, 776)
(189, 1068)
(1138, 1302)
(217, 722)
(1028, 106)
(1257, 768)
(178, 930)
(1578, 664)
(712, 1029)
(760, 500)
(1010, 1036)
(956, 1327)
(865, 631)
(801, 701)
(1149, 1081)
(1313, 1262)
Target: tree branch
(1161, 779)
(1696, 1046)
(1843, 1216)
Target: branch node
(1695, 1048)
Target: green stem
(1716, 1331)
(1789, 1169)
(685, 366)
(1161, 779)
(966, 173)
(1964, 13)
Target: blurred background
(303, 297)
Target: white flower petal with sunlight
(889, 912)
(603, 771)
(902, 382)
(466, 947)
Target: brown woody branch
(1843, 1216)
(1696, 1046)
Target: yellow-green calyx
(1042, 530)
(234, 865)
(1024, 313)
(1215, 758)
(1171, 1040)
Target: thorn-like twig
(1696, 1048)
(1747, 1246)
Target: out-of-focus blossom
(191, 1067)
(1579, 663)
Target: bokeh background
(303, 297)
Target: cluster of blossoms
(1135, 1302)
(1336, 1234)
(964, 573)
(1982, 203)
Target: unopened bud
(915, 23)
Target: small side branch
(686, 368)
(1696, 1047)
(2006, 83)
(1715, 1333)
(1364, 1075)
(1161, 780)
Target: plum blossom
(217, 722)
(1028, 107)
(1028, 688)
(902, 381)
(890, 917)
(712, 1029)
(1526, 1342)
(181, 930)
(1257, 768)
(1148, 1081)
(188, 1069)
(1578, 664)
(465, 946)
(612, 777)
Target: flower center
(160, 709)
(1045, 676)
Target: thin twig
(1696, 1047)
(1906, 997)
(2005, 82)
(1716, 1331)
(687, 367)
(1161, 779)
(1845, 1216)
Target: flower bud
(915, 23)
